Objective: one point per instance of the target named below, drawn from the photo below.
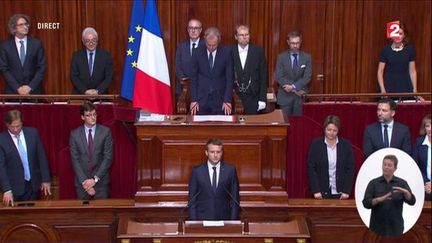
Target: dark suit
(300, 76)
(373, 138)
(101, 76)
(15, 74)
(255, 72)
(11, 168)
(419, 154)
(183, 62)
(210, 88)
(86, 168)
(318, 167)
(204, 203)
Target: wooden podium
(255, 144)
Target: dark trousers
(29, 193)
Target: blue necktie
(22, 52)
(386, 140)
(211, 60)
(24, 159)
(90, 63)
(295, 63)
(214, 185)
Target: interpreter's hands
(226, 107)
(384, 197)
(24, 90)
(8, 199)
(318, 195)
(194, 108)
(287, 87)
(428, 187)
(344, 196)
(46, 188)
(397, 189)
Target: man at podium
(214, 187)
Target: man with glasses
(91, 69)
(293, 74)
(184, 52)
(91, 149)
(22, 59)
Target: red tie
(90, 143)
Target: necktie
(386, 140)
(90, 143)
(211, 60)
(90, 62)
(22, 53)
(214, 179)
(24, 159)
(193, 48)
(295, 63)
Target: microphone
(246, 222)
(180, 225)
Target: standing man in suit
(22, 59)
(214, 187)
(23, 164)
(91, 69)
(250, 72)
(422, 154)
(91, 148)
(184, 52)
(386, 132)
(331, 163)
(211, 77)
(293, 74)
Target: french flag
(152, 89)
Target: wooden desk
(167, 152)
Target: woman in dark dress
(398, 61)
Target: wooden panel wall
(344, 37)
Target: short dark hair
(293, 34)
(12, 116)
(13, 21)
(331, 119)
(392, 158)
(388, 101)
(87, 106)
(241, 26)
(213, 141)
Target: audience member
(214, 187)
(331, 163)
(22, 59)
(91, 148)
(386, 132)
(24, 170)
(422, 154)
(293, 74)
(91, 70)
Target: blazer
(373, 138)
(318, 166)
(419, 154)
(15, 74)
(102, 71)
(102, 156)
(285, 74)
(183, 61)
(204, 203)
(11, 168)
(255, 70)
(217, 82)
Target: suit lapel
(13, 48)
(84, 61)
(207, 175)
(82, 137)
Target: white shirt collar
(240, 49)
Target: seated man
(214, 187)
(91, 69)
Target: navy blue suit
(420, 156)
(183, 62)
(318, 166)
(15, 74)
(210, 88)
(373, 138)
(204, 203)
(11, 168)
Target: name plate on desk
(221, 118)
(213, 223)
(149, 117)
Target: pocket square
(303, 66)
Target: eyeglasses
(193, 28)
(294, 43)
(91, 115)
(92, 41)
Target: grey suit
(300, 76)
(86, 168)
